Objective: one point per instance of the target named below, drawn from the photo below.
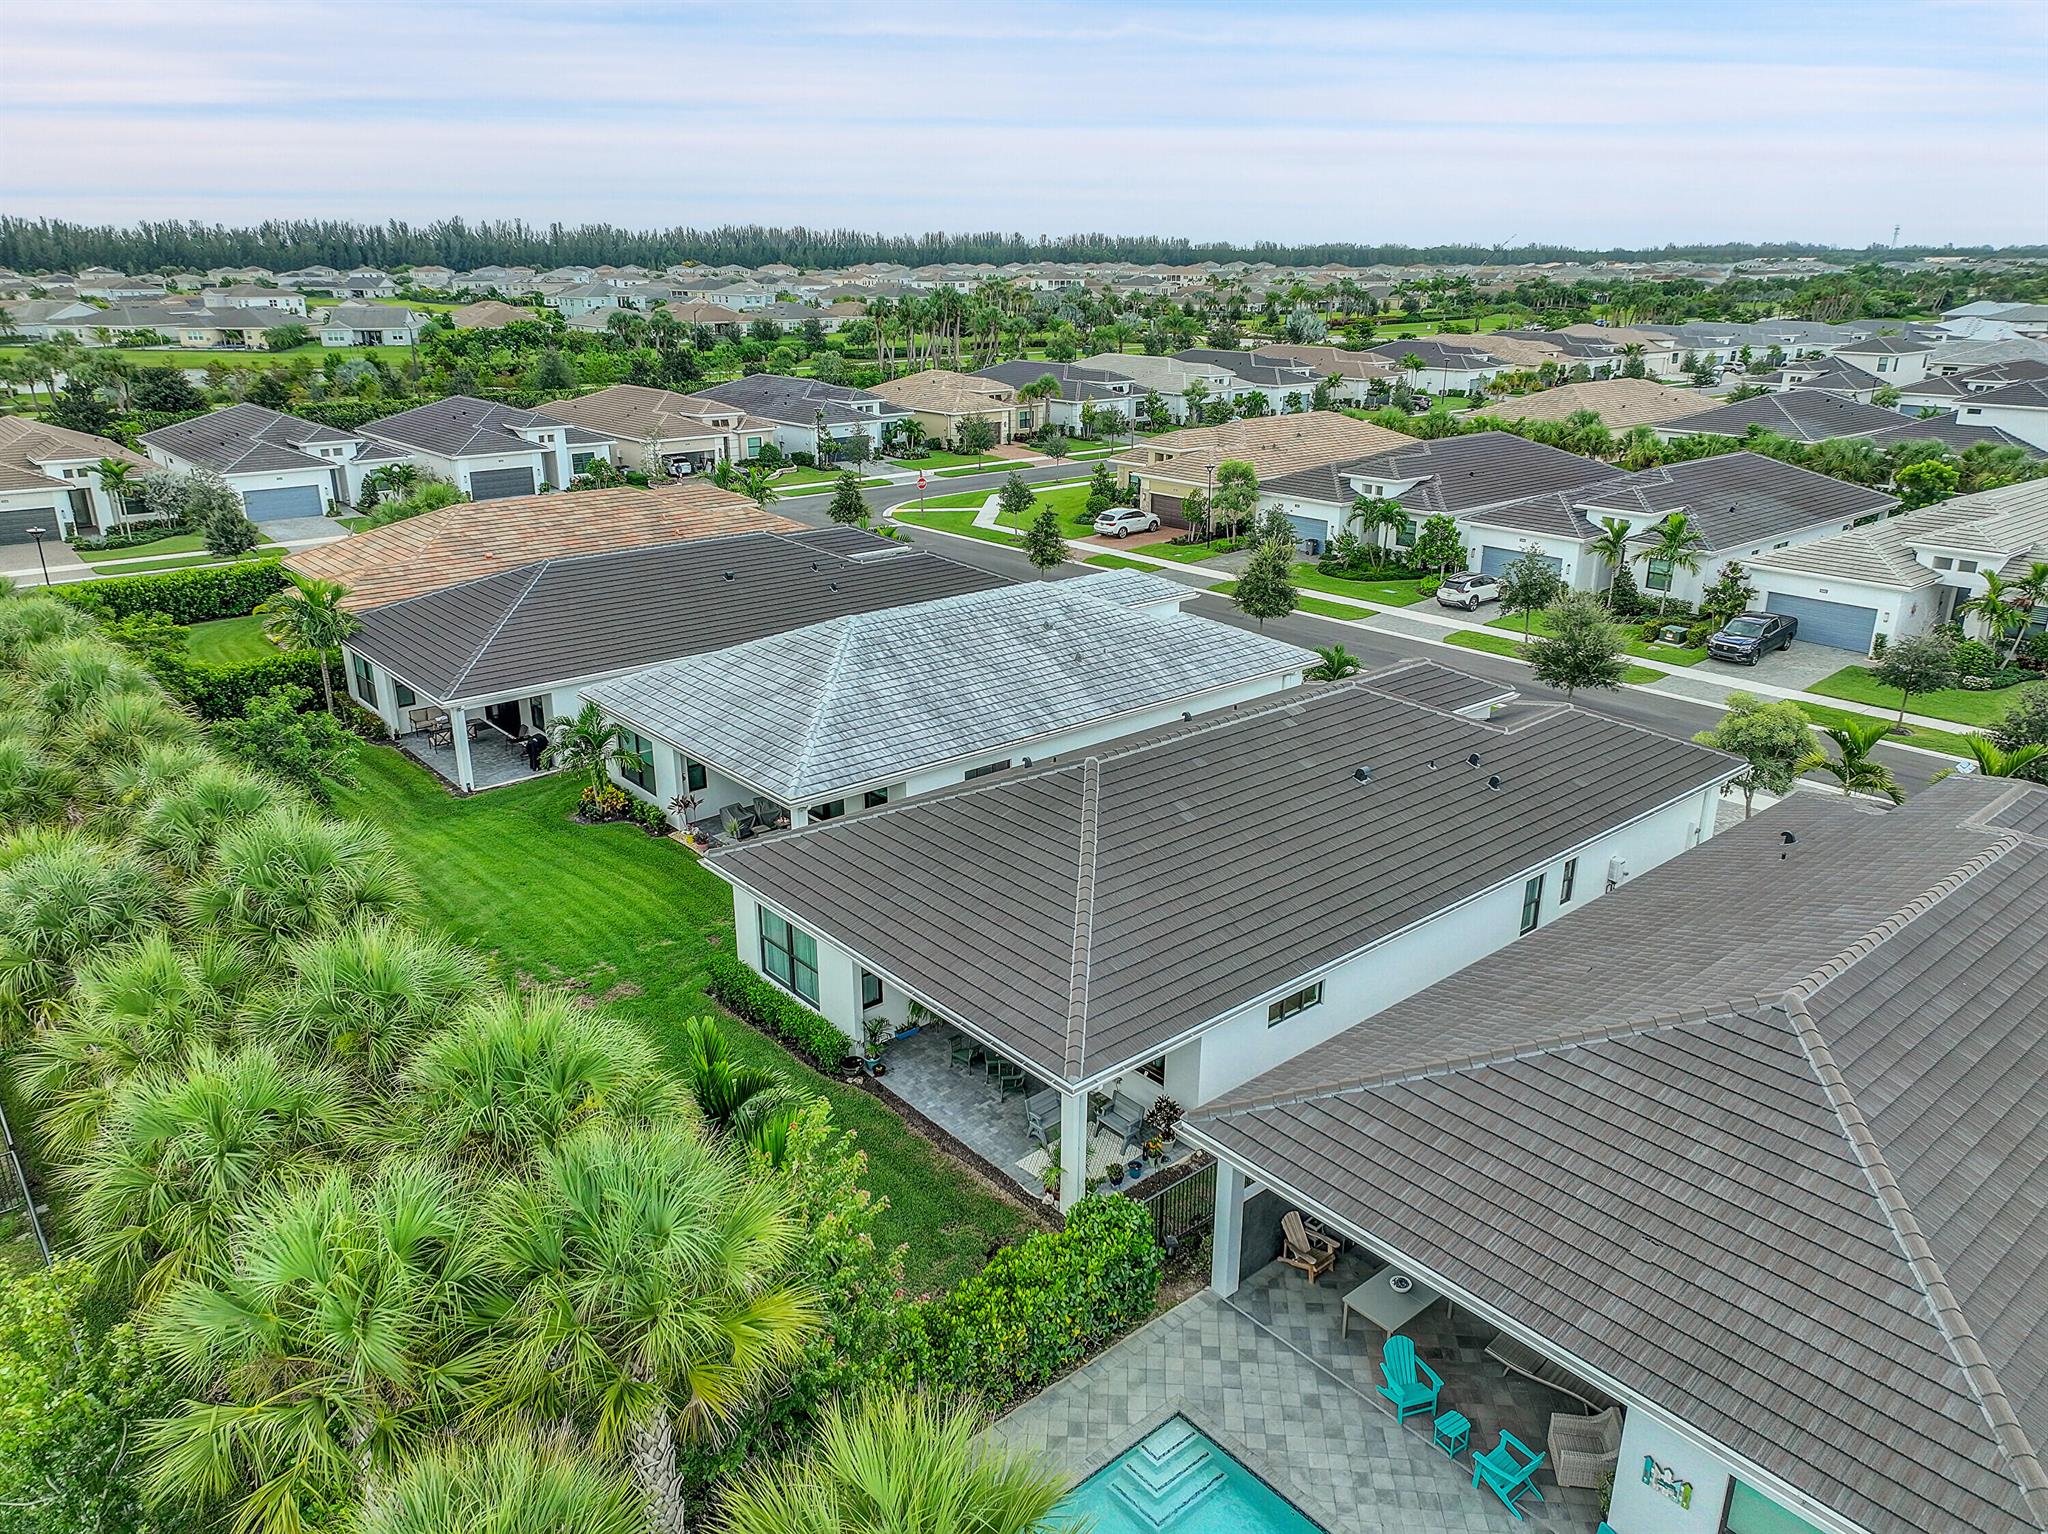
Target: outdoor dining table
(1378, 1301)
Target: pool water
(1176, 1480)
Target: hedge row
(183, 596)
(773, 1010)
(1041, 1306)
(225, 692)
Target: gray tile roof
(800, 401)
(873, 697)
(1735, 498)
(1761, 1137)
(2028, 394)
(1076, 383)
(1076, 911)
(1458, 474)
(246, 439)
(1954, 432)
(461, 426)
(1267, 372)
(1804, 415)
(603, 614)
(1439, 687)
(1439, 354)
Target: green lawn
(1195, 553)
(821, 486)
(178, 543)
(1501, 644)
(993, 466)
(1858, 684)
(627, 920)
(1945, 741)
(229, 641)
(156, 566)
(970, 498)
(1115, 562)
(1304, 604)
(940, 459)
(1670, 655)
(803, 476)
(960, 522)
(199, 357)
(1095, 450)
(1392, 592)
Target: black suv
(1744, 639)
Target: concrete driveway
(1800, 666)
(299, 531)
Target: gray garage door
(14, 525)
(289, 501)
(1493, 561)
(495, 484)
(1839, 624)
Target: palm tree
(308, 617)
(511, 1484)
(897, 1461)
(183, 821)
(1610, 545)
(1336, 664)
(1999, 608)
(513, 1076)
(1037, 392)
(1374, 515)
(364, 997)
(2030, 761)
(63, 899)
(181, 1154)
(735, 1098)
(591, 745)
(1676, 543)
(636, 1282)
(757, 485)
(286, 873)
(317, 1345)
(1855, 768)
(2030, 594)
(117, 478)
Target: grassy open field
(1858, 684)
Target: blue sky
(1587, 123)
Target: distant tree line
(33, 244)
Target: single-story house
(50, 478)
(37, 319)
(1621, 403)
(582, 298)
(370, 325)
(1446, 368)
(1169, 468)
(281, 465)
(367, 284)
(180, 324)
(250, 295)
(1905, 575)
(663, 433)
(942, 401)
(1752, 1148)
(453, 545)
(1108, 393)
(2018, 408)
(715, 317)
(803, 410)
(513, 651)
(1828, 375)
(1742, 505)
(437, 279)
(877, 707)
(489, 314)
(1250, 373)
(1166, 377)
(1206, 900)
(1895, 360)
(1357, 374)
(488, 450)
(1802, 414)
(1449, 476)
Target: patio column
(1073, 1147)
(465, 776)
(1226, 1246)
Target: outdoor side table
(1452, 1433)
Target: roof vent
(728, 575)
(1472, 760)
(1362, 774)
(1787, 838)
(1186, 714)
(1494, 782)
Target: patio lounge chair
(769, 815)
(1122, 1116)
(1042, 1116)
(1010, 1078)
(1515, 1358)
(1307, 1246)
(1507, 1470)
(962, 1051)
(1584, 1450)
(738, 820)
(1408, 1382)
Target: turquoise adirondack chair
(1409, 1382)
(1507, 1470)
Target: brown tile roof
(1620, 402)
(945, 392)
(1272, 445)
(26, 445)
(489, 315)
(702, 314)
(1329, 359)
(634, 412)
(466, 542)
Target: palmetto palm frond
(65, 898)
(509, 1484)
(181, 825)
(1853, 766)
(362, 998)
(286, 873)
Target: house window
(1659, 576)
(789, 955)
(578, 462)
(1404, 535)
(873, 797)
(693, 774)
(403, 695)
(536, 713)
(1966, 567)
(638, 767)
(1567, 881)
(985, 769)
(870, 990)
(831, 811)
(1532, 903)
(365, 677)
(1944, 562)
(753, 446)
(1300, 1001)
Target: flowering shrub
(607, 803)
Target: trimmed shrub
(1974, 658)
(1429, 585)
(183, 596)
(1041, 1306)
(773, 1010)
(225, 692)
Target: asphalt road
(1677, 717)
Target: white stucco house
(281, 465)
(489, 450)
(2018, 408)
(358, 324)
(51, 478)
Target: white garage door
(496, 484)
(1839, 624)
(285, 501)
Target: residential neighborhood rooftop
(1734, 498)
(1451, 475)
(1619, 402)
(1274, 445)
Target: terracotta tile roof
(944, 392)
(1273, 445)
(1620, 402)
(489, 315)
(468, 541)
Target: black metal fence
(1183, 1204)
(16, 1192)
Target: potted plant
(1116, 1174)
(877, 1031)
(1155, 1151)
(1049, 1179)
(1135, 1168)
(1163, 1118)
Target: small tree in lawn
(228, 532)
(857, 449)
(976, 434)
(1920, 663)
(1730, 594)
(1016, 499)
(1771, 738)
(1924, 483)
(1235, 501)
(1528, 585)
(1102, 482)
(1044, 544)
(1053, 443)
(1266, 589)
(847, 507)
(274, 734)
(1582, 649)
(1438, 546)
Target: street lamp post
(39, 534)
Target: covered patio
(1270, 1375)
(470, 754)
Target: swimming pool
(1177, 1480)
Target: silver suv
(1467, 590)
(1120, 521)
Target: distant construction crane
(1895, 236)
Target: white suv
(1467, 590)
(1120, 521)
